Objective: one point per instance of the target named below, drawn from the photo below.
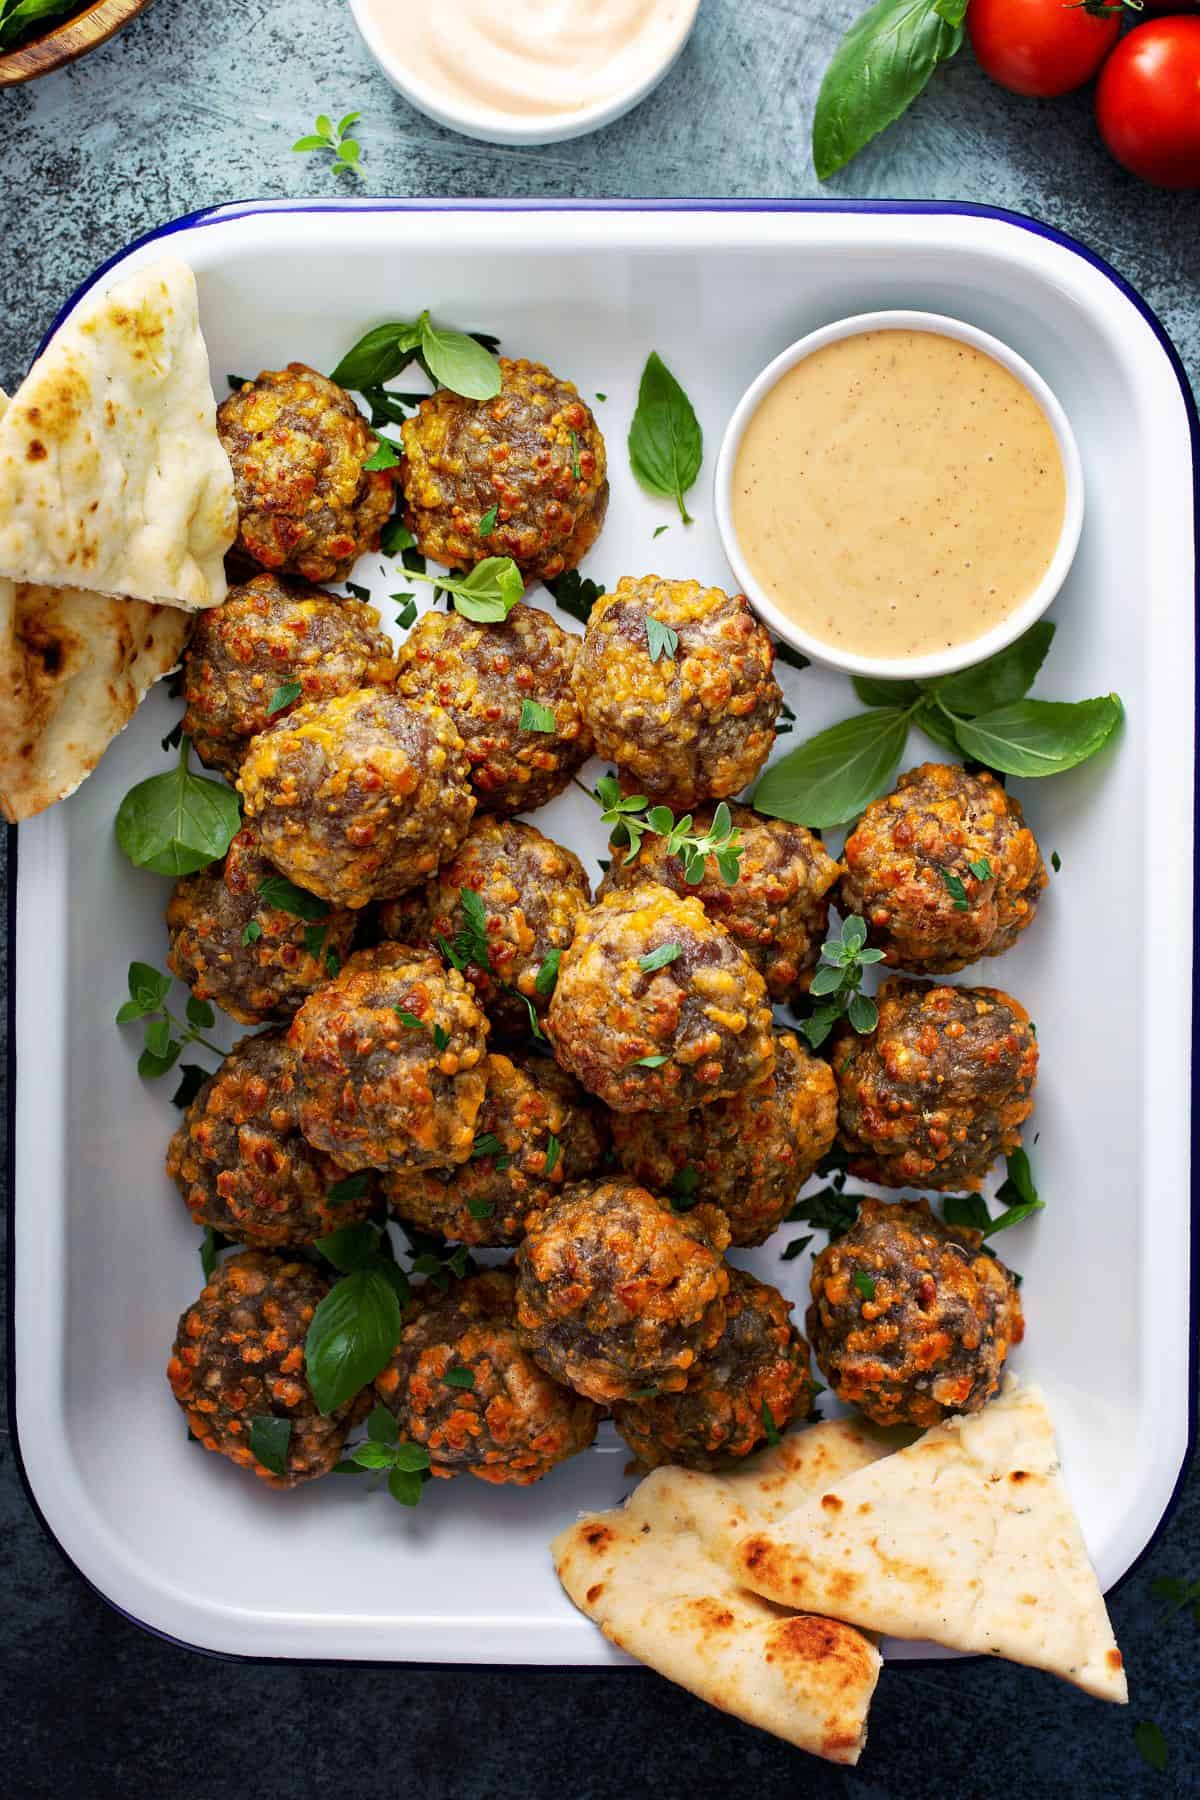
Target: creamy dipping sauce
(529, 59)
(898, 492)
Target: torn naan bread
(967, 1537)
(648, 1575)
(112, 476)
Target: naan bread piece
(967, 1538)
(112, 477)
(73, 668)
(648, 1575)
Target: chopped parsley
(660, 638)
(769, 1425)
(547, 975)
(658, 959)
(459, 1378)
(553, 1152)
(981, 868)
(956, 890)
(487, 524)
(283, 696)
(865, 1284)
(536, 717)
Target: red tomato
(1148, 102)
(1040, 47)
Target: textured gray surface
(198, 102)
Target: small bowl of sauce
(525, 71)
(900, 495)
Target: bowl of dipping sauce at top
(525, 71)
(900, 495)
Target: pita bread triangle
(112, 476)
(647, 1574)
(967, 1538)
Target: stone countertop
(198, 102)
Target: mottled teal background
(198, 102)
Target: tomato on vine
(1042, 47)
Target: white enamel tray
(105, 1256)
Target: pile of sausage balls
(455, 1030)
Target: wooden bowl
(67, 39)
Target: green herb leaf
(535, 717)
(662, 641)
(873, 692)
(178, 822)
(487, 524)
(651, 1062)
(408, 1018)
(1040, 737)
(314, 940)
(251, 932)
(441, 1038)
(412, 1457)
(148, 990)
(459, 1377)
(796, 1247)
(481, 1209)
(658, 959)
(547, 975)
(282, 895)
(666, 445)
(830, 1209)
(382, 457)
(936, 725)
(487, 595)
(350, 1187)
(769, 1425)
(881, 65)
(1055, 861)
(1151, 1744)
(191, 1079)
(553, 1152)
(863, 1014)
(237, 381)
(459, 362)
(658, 530)
(373, 1455)
(966, 1210)
(486, 1144)
(150, 1065)
(396, 538)
(685, 1188)
(211, 1243)
(378, 357)
(352, 1335)
(269, 1440)
(408, 611)
(957, 892)
(817, 1028)
(405, 1487)
(864, 1284)
(1002, 679)
(835, 775)
(574, 594)
(784, 653)
(283, 696)
(350, 1247)
(981, 868)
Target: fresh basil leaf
(966, 1210)
(372, 1455)
(829, 1209)
(350, 1247)
(191, 1079)
(865, 1284)
(658, 959)
(488, 594)
(1055, 861)
(547, 975)
(1014, 1215)
(412, 1458)
(29, 16)
(1003, 678)
(388, 408)
(395, 537)
(177, 822)
(535, 717)
(486, 1144)
(381, 1426)
(211, 1243)
(378, 357)
(283, 696)
(574, 594)
(881, 65)
(282, 895)
(934, 723)
(459, 1377)
(769, 1425)
(666, 445)
(405, 1487)
(352, 1335)
(794, 659)
(873, 692)
(651, 1062)
(1150, 1744)
(1040, 737)
(658, 530)
(459, 362)
(796, 1247)
(383, 456)
(407, 615)
(836, 774)
(660, 639)
(251, 932)
(487, 524)
(269, 1440)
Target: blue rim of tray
(242, 209)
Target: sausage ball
(511, 1423)
(911, 1320)
(359, 797)
(392, 1062)
(236, 939)
(616, 1292)
(656, 1008)
(530, 463)
(487, 677)
(297, 444)
(943, 871)
(239, 1356)
(749, 1154)
(530, 893)
(778, 908)
(939, 1089)
(537, 1130)
(271, 633)
(755, 1379)
(242, 1165)
(686, 723)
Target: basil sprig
(980, 713)
(666, 445)
(881, 65)
(357, 1325)
(20, 19)
(487, 595)
(177, 822)
(452, 359)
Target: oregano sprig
(837, 983)
(630, 816)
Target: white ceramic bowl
(496, 127)
(941, 662)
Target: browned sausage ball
(531, 891)
(754, 1379)
(232, 945)
(696, 723)
(297, 444)
(534, 454)
(749, 1154)
(483, 675)
(239, 1356)
(778, 908)
(939, 1089)
(359, 797)
(537, 1130)
(392, 1062)
(513, 1423)
(616, 1292)
(269, 634)
(944, 870)
(241, 1164)
(910, 1319)
(695, 1029)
